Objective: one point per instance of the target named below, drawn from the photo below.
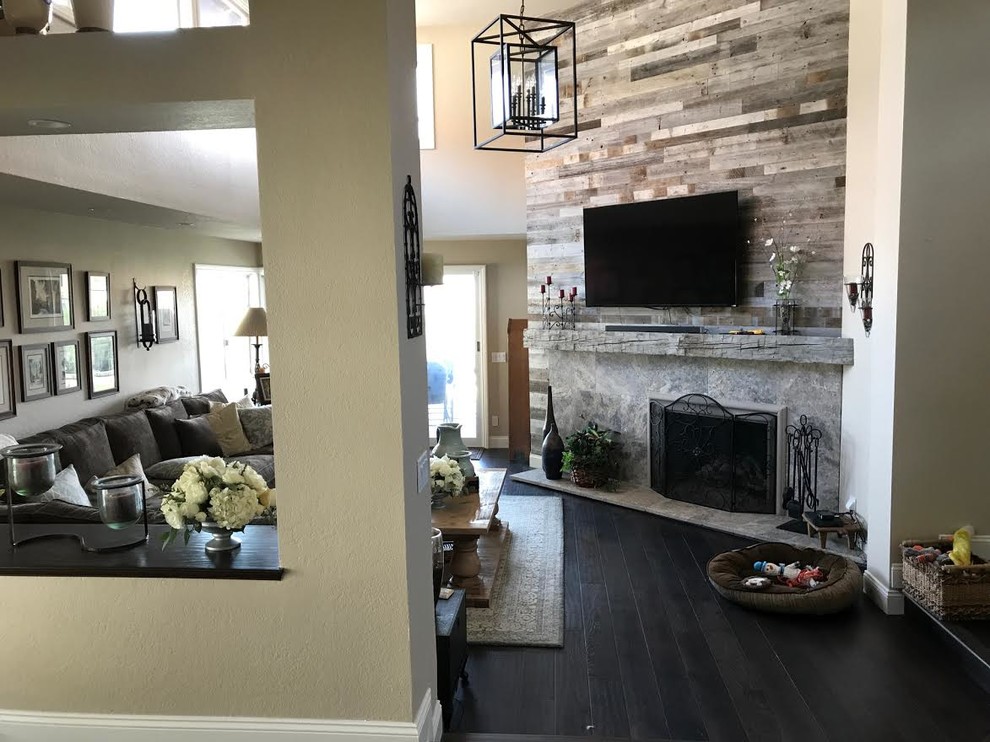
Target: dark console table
(257, 559)
(451, 650)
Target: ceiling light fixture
(531, 108)
(49, 124)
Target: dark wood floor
(651, 652)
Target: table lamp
(254, 324)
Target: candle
(573, 291)
(549, 280)
(561, 293)
(543, 288)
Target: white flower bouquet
(786, 261)
(446, 477)
(212, 491)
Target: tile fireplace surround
(609, 378)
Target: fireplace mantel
(835, 351)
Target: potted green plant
(590, 456)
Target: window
(136, 16)
(223, 296)
(424, 96)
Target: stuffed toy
(792, 575)
(962, 551)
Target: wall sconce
(413, 254)
(144, 317)
(31, 470)
(559, 314)
(859, 289)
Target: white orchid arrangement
(446, 477)
(212, 491)
(786, 260)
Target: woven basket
(948, 591)
(588, 477)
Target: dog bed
(842, 587)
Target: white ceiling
(479, 12)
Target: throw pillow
(162, 421)
(227, 427)
(197, 438)
(131, 467)
(242, 404)
(7, 441)
(257, 424)
(67, 489)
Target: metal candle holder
(859, 290)
(31, 470)
(559, 314)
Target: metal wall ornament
(528, 105)
(413, 254)
(859, 289)
(144, 316)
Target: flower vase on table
(446, 480)
(218, 498)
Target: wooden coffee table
(471, 523)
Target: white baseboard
(890, 601)
(498, 441)
(20, 726)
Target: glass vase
(784, 312)
(120, 500)
(436, 539)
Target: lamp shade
(432, 269)
(254, 324)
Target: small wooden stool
(848, 526)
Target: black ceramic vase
(552, 452)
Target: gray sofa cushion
(257, 424)
(131, 433)
(162, 422)
(200, 404)
(264, 464)
(197, 437)
(85, 445)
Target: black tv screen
(678, 252)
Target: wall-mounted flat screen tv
(677, 252)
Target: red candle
(543, 288)
(573, 290)
(549, 280)
(561, 293)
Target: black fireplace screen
(704, 454)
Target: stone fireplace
(611, 378)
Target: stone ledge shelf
(835, 351)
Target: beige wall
(505, 262)
(349, 632)
(153, 257)
(465, 193)
(873, 209)
(943, 360)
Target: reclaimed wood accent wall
(681, 97)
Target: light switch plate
(498, 357)
(494, 421)
(423, 471)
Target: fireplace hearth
(705, 454)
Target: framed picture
(264, 388)
(97, 296)
(101, 352)
(36, 372)
(44, 296)
(66, 365)
(166, 300)
(8, 404)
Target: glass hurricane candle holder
(120, 500)
(31, 468)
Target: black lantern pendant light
(528, 106)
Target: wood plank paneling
(682, 97)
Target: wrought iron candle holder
(31, 470)
(859, 289)
(558, 312)
(144, 317)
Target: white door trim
(23, 726)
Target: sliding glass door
(455, 353)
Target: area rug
(527, 607)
